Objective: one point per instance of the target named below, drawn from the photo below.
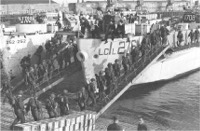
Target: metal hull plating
(172, 66)
(97, 54)
(15, 48)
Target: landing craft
(95, 55)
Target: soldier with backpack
(51, 106)
(35, 106)
(63, 103)
(19, 110)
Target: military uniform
(36, 108)
(110, 31)
(9, 97)
(81, 101)
(121, 29)
(102, 85)
(18, 106)
(63, 104)
(180, 37)
(191, 35)
(197, 35)
(116, 68)
(51, 107)
(164, 33)
(91, 90)
(60, 60)
(109, 79)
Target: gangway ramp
(141, 66)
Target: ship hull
(98, 54)
(14, 49)
(173, 66)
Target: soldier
(191, 35)
(28, 61)
(81, 101)
(180, 38)
(23, 66)
(121, 29)
(84, 92)
(35, 106)
(102, 84)
(66, 57)
(142, 126)
(97, 28)
(18, 106)
(63, 103)
(116, 68)
(75, 50)
(92, 87)
(49, 69)
(158, 36)
(8, 96)
(128, 57)
(35, 68)
(164, 33)
(125, 64)
(41, 72)
(110, 30)
(134, 54)
(197, 35)
(109, 75)
(51, 106)
(84, 25)
(60, 60)
(39, 54)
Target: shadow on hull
(146, 88)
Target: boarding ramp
(128, 80)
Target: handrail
(139, 65)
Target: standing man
(110, 30)
(141, 125)
(164, 34)
(191, 35)
(51, 106)
(18, 106)
(115, 126)
(116, 68)
(63, 103)
(92, 90)
(8, 96)
(197, 35)
(121, 29)
(35, 106)
(180, 38)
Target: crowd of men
(113, 25)
(43, 69)
(36, 107)
(100, 87)
(105, 82)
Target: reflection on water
(172, 105)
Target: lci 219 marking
(119, 49)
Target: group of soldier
(36, 107)
(194, 36)
(113, 25)
(43, 69)
(105, 82)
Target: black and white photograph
(100, 65)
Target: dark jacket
(114, 127)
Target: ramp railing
(133, 74)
